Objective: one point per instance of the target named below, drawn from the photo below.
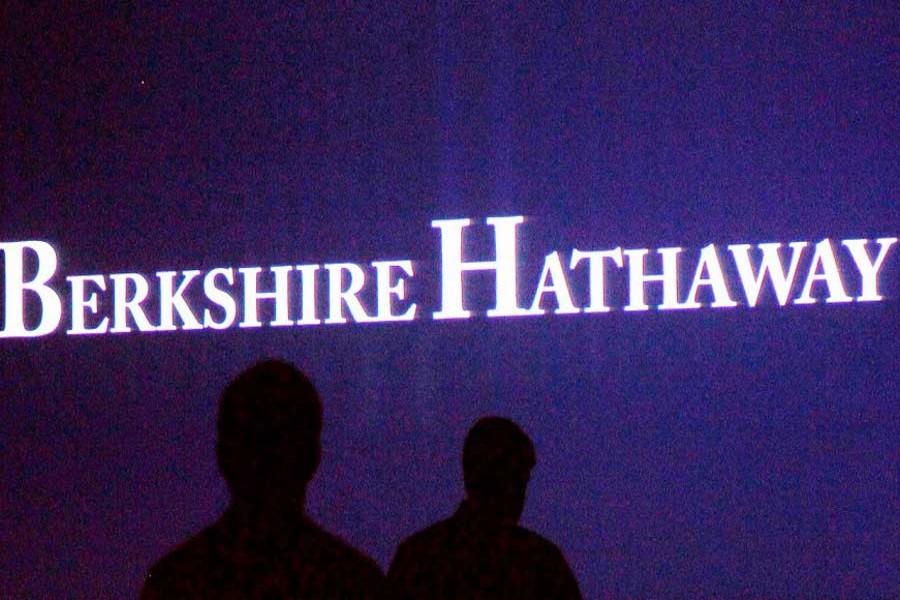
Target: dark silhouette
(264, 547)
(480, 552)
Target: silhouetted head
(497, 461)
(270, 421)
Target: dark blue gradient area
(727, 453)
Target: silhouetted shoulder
(453, 559)
(349, 563)
(228, 561)
(198, 563)
(449, 535)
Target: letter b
(15, 286)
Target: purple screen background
(729, 453)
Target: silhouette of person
(264, 546)
(480, 552)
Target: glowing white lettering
(15, 286)
(868, 270)
(596, 275)
(123, 305)
(296, 295)
(308, 287)
(386, 289)
(771, 264)
(504, 267)
(171, 301)
(79, 304)
(709, 262)
(338, 297)
(220, 298)
(252, 296)
(830, 275)
(637, 279)
(553, 279)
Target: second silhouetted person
(480, 551)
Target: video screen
(662, 240)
